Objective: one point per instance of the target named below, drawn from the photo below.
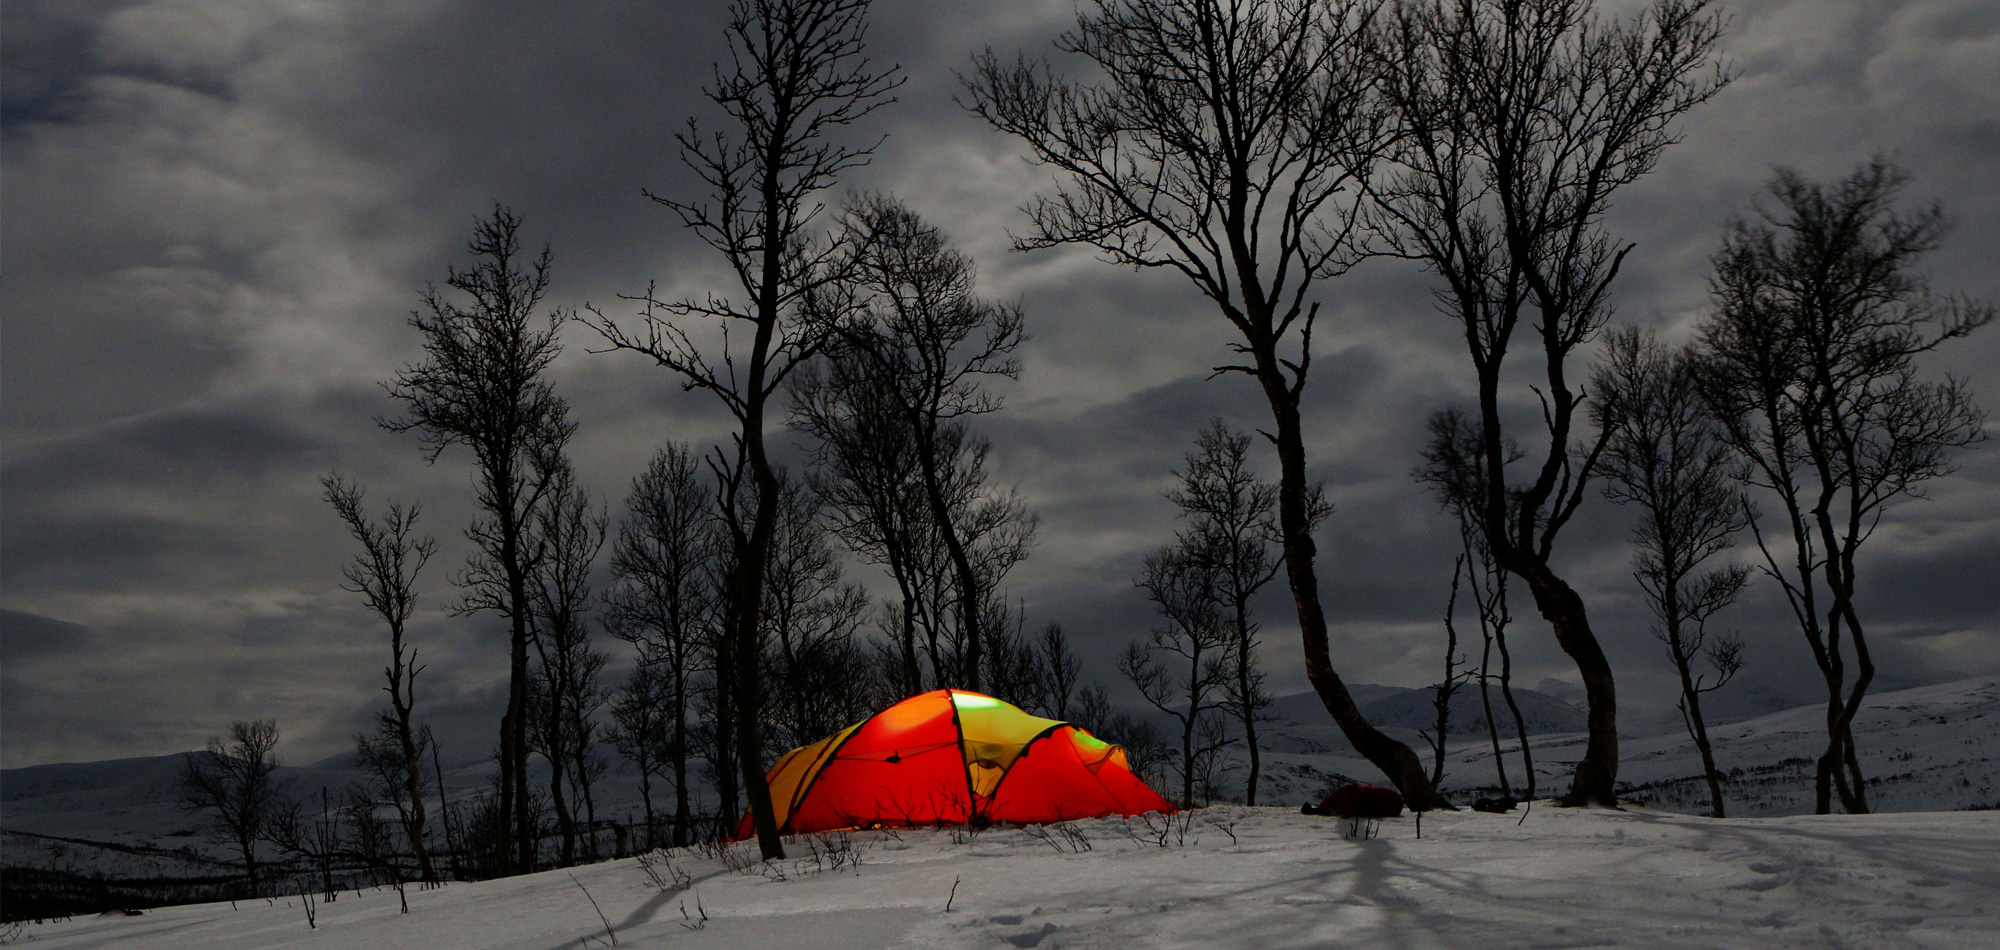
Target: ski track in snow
(1562, 879)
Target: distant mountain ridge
(1397, 707)
(1541, 713)
(36, 781)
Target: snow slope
(1925, 749)
(1562, 878)
(1930, 748)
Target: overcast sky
(217, 218)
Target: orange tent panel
(951, 756)
(1073, 774)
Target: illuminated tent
(949, 756)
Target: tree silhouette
(568, 532)
(482, 385)
(797, 75)
(1809, 362)
(662, 600)
(926, 343)
(233, 779)
(1182, 667)
(1232, 513)
(385, 575)
(1667, 458)
(1454, 468)
(1518, 120)
(1226, 143)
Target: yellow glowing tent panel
(950, 756)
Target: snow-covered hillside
(1252, 878)
(1925, 749)
(1930, 748)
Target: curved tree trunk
(1514, 708)
(1597, 772)
(1700, 730)
(515, 723)
(1245, 697)
(748, 591)
(413, 766)
(1690, 704)
(682, 832)
(961, 562)
(1864, 674)
(1395, 759)
(1486, 703)
(563, 819)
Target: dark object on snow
(1497, 806)
(1359, 801)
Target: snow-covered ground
(1562, 878)
(1931, 748)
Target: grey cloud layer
(217, 216)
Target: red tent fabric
(951, 756)
(1361, 801)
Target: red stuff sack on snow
(1362, 801)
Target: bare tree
(812, 614)
(568, 534)
(929, 343)
(994, 530)
(550, 735)
(864, 471)
(1443, 690)
(717, 705)
(1223, 142)
(378, 755)
(315, 837)
(370, 842)
(797, 75)
(1519, 120)
(1667, 457)
(1809, 362)
(1182, 668)
(1232, 512)
(454, 839)
(642, 718)
(385, 575)
(1454, 468)
(233, 779)
(1060, 668)
(482, 386)
(662, 600)
(887, 444)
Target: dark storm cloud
(110, 511)
(48, 51)
(218, 216)
(1942, 590)
(40, 54)
(25, 636)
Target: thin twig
(600, 911)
